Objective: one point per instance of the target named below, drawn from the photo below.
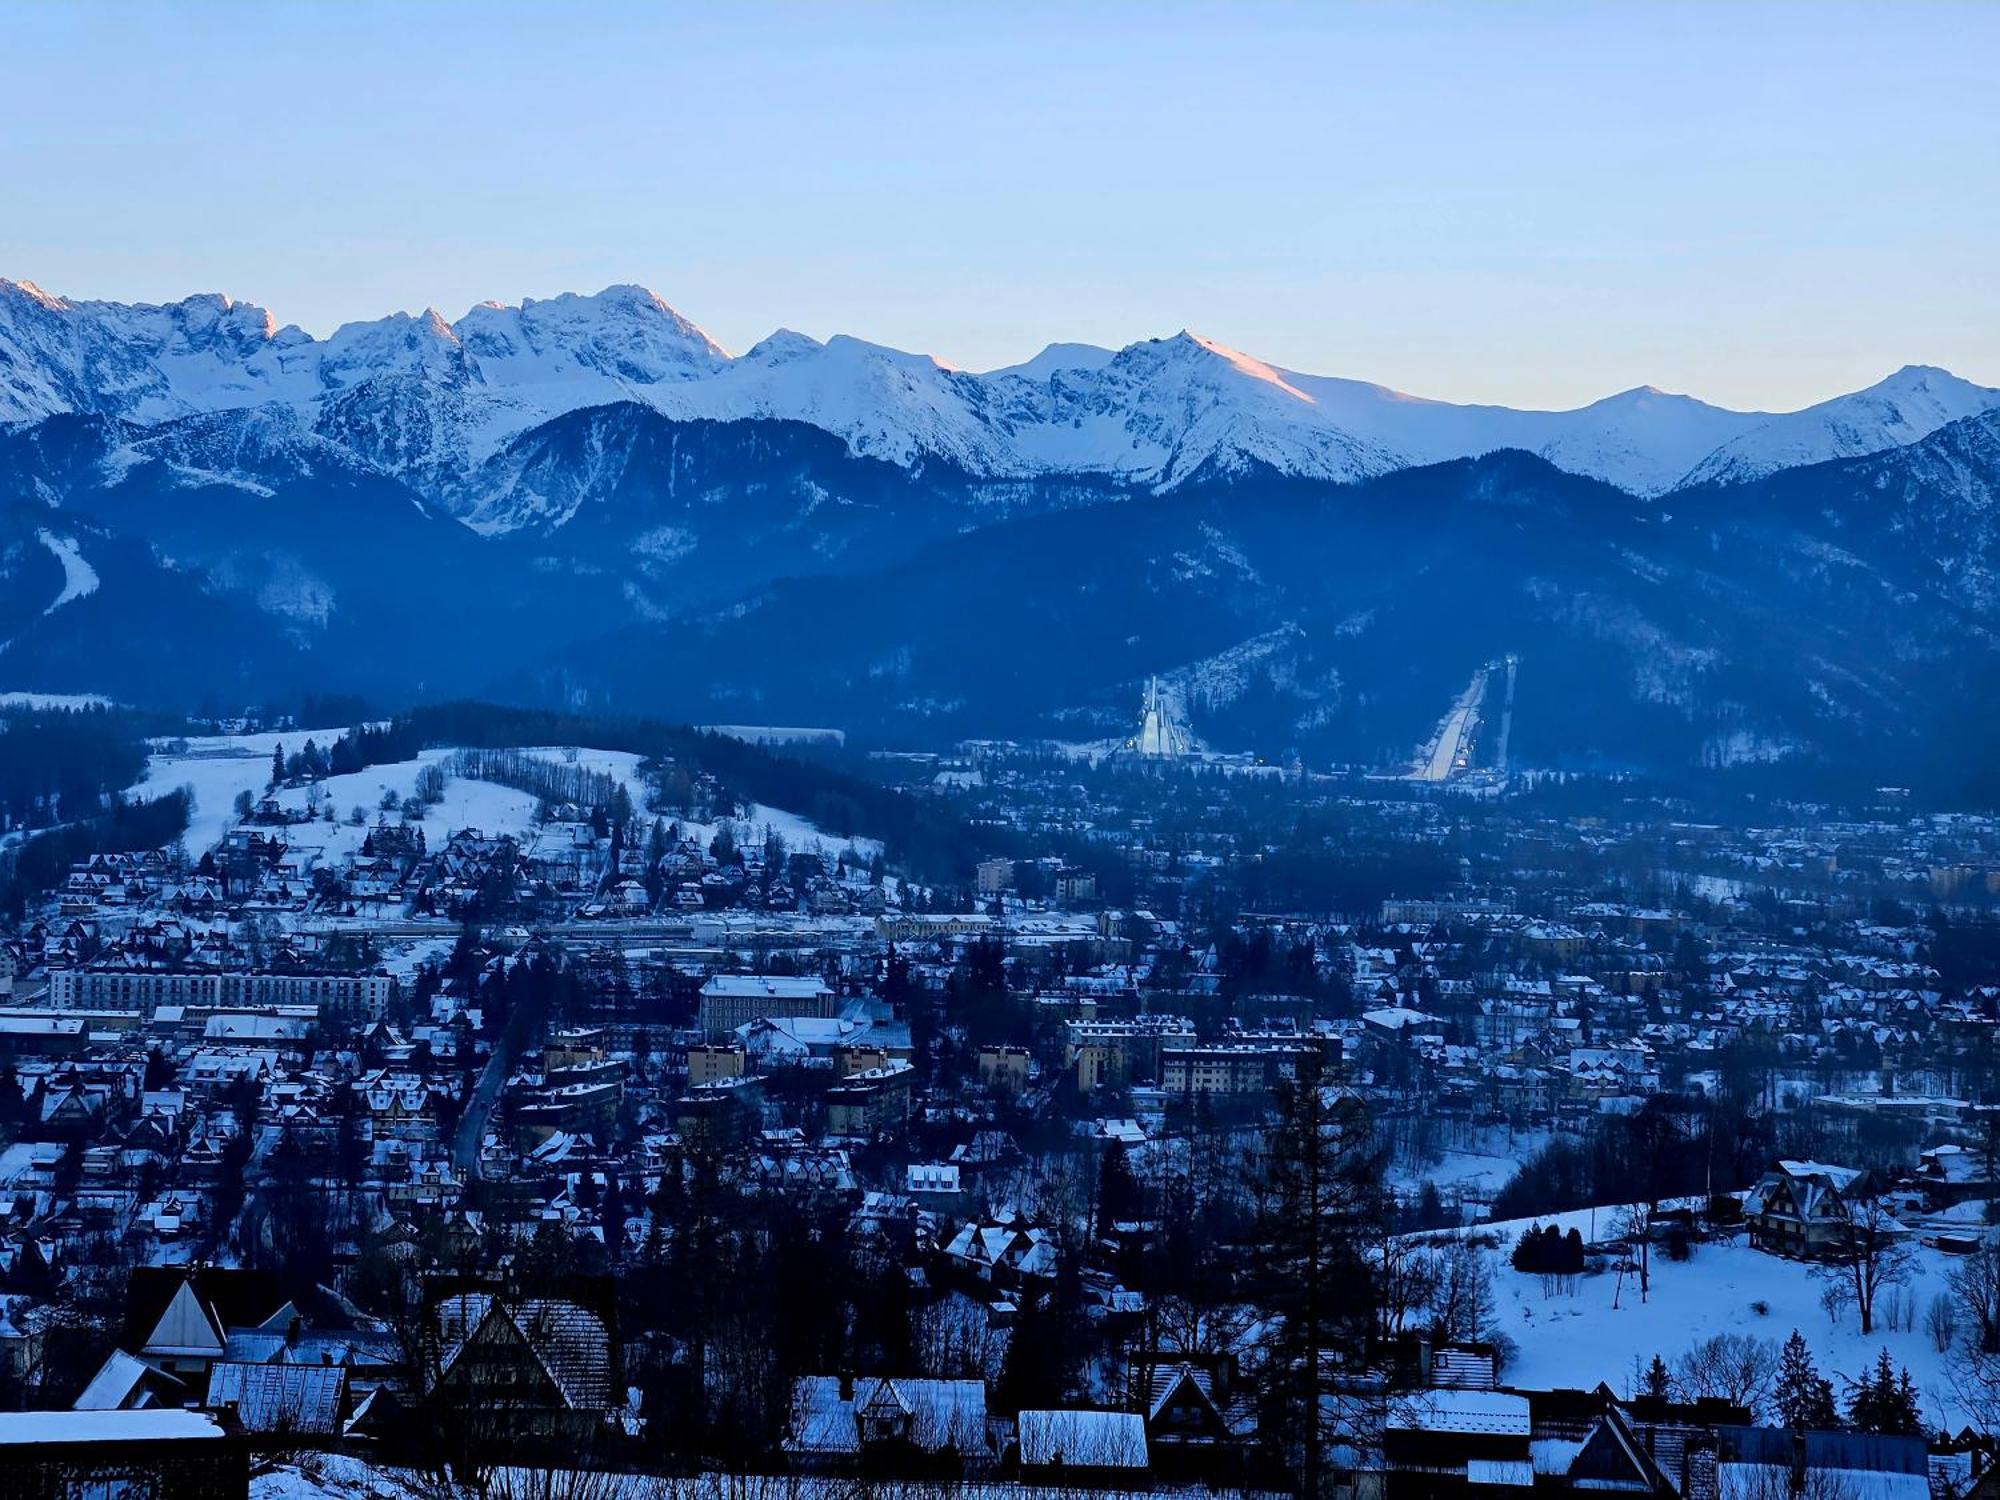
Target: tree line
(58, 764)
(39, 864)
(547, 780)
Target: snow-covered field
(799, 834)
(216, 768)
(219, 768)
(1580, 1339)
(1478, 1173)
(1474, 1161)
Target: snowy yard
(1580, 1339)
(216, 768)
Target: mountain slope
(345, 562)
(1340, 619)
(1908, 406)
(672, 513)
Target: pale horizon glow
(1536, 205)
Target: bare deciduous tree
(1867, 1256)
(1461, 1305)
(1733, 1367)
(1975, 1286)
(1941, 1322)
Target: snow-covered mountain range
(431, 401)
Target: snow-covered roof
(280, 1397)
(762, 986)
(941, 1413)
(1396, 1017)
(117, 1378)
(186, 1327)
(1840, 1177)
(150, 1426)
(1491, 1412)
(1083, 1439)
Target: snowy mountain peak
(33, 293)
(624, 304)
(430, 399)
(1242, 364)
(1917, 376)
(1900, 409)
(1054, 359)
(784, 344)
(1640, 395)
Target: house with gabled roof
(177, 1317)
(1458, 1442)
(287, 1401)
(1616, 1458)
(1083, 1447)
(1950, 1174)
(1803, 1208)
(548, 1362)
(837, 1420)
(125, 1382)
(1197, 1418)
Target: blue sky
(1760, 204)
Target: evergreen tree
(1657, 1383)
(277, 765)
(1907, 1411)
(1320, 1200)
(1430, 1210)
(1804, 1397)
(615, 1212)
(1884, 1401)
(1527, 1252)
(12, 1107)
(1118, 1194)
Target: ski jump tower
(1161, 734)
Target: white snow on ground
(799, 834)
(217, 767)
(1580, 1339)
(1474, 1171)
(79, 577)
(220, 767)
(622, 764)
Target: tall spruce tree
(1804, 1397)
(1885, 1401)
(1320, 1200)
(1657, 1383)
